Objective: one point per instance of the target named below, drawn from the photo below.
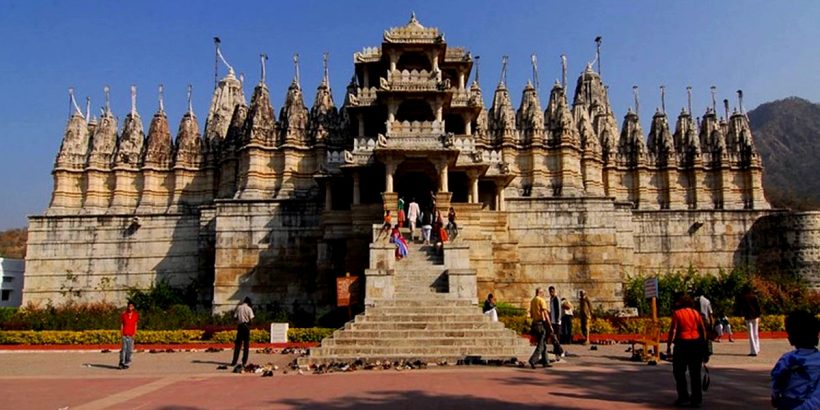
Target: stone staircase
(422, 321)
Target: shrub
(508, 309)
(96, 337)
(599, 325)
(520, 324)
(310, 334)
(228, 336)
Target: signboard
(347, 290)
(279, 332)
(650, 288)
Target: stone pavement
(189, 380)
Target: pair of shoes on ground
(123, 366)
(752, 355)
(547, 364)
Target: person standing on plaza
(541, 328)
(413, 215)
(566, 321)
(489, 308)
(749, 308)
(796, 375)
(243, 315)
(555, 320)
(585, 309)
(128, 329)
(689, 337)
(704, 306)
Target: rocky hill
(787, 134)
(13, 243)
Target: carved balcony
(415, 128)
(413, 80)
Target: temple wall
(99, 257)
(268, 250)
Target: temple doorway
(416, 179)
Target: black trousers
(688, 355)
(556, 344)
(243, 339)
(566, 329)
(539, 332)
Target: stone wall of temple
(92, 258)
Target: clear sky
(769, 49)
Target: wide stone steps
(413, 303)
(427, 310)
(387, 326)
(422, 341)
(451, 353)
(421, 317)
(355, 333)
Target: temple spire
(598, 41)
(637, 100)
(740, 101)
(713, 90)
(326, 71)
(663, 98)
(689, 100)
(564, 71)
(535, 80)
(477, 69)
(220, 56)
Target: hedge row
(521, 324)
(67, 337)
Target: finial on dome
(73, 102)
(726, 107)
(740, 100)
(296, 76)
(477, 68)
(325, 72)
(161, 91)
(88, 108)
(598, 41)
(637, 100)
(563, 71)
(413, 17)
(689, 99)
(217, 41)
(190, 102)
(133, 100)
(263, 58)
(713, 90)
(503, 80)
(107, 92)
(663, 99)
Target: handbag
(706, 379)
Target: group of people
(434, 230)
(552, 322)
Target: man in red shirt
(128, 327)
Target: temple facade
(277, 206)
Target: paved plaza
(605, 378)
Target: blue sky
(769, 49)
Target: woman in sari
(401, 244)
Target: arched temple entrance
(416, 179)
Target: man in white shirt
(413, 214)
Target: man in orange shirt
(128, 328)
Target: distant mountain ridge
(787, 135)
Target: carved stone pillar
(392, 108)
(328, 196)
(389, 170)
(499, 197)
(443, 184)
(468, 126)
(356, 189)
(365, 79)
(461, 80)
(360, 120)
(472, 177)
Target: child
(388, 223)
(722, 326)
(796, 375)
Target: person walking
(413, 215)
(555, 320)
(704, 307)
(796, 375)
(128, 329)
(539, 313)
(427, 227)
(688, 335)
(749, 308)
(243, 315)
(585, 309)
(452, 227)
(723, 326)
(566, 321)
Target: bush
(778, 294)
(508, 309)
(229, 336)
(310, 334)
(520, 324)
(96, 337)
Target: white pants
(492, 314)
(754, 338)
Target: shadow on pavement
(210, 362)
(413, 399)
(651, 386)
